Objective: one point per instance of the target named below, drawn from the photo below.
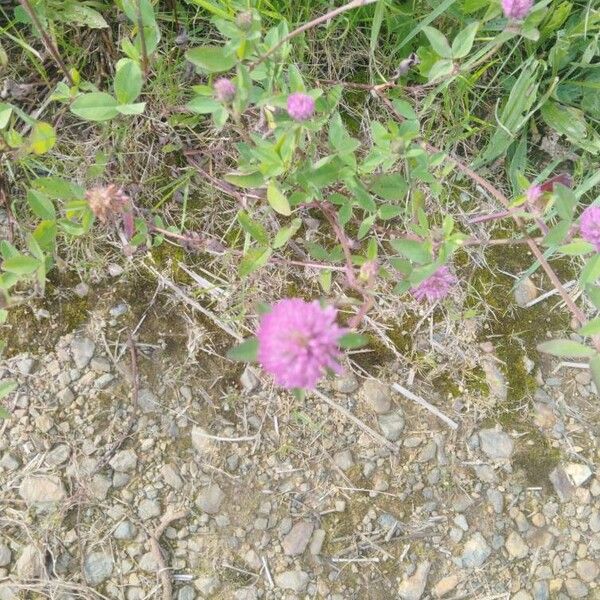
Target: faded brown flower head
(107, 202)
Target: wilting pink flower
(300, 106)
(298, 341)
(516, 9)
(436, 286)
(589, 225)
(533, 193)
(108, 202)
(224, 89)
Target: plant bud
(516, 9)
(244, 20)
(224, 90)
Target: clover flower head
(107, 202)
(244, 20)
(436, 286)
(298, 341)
(300, 107)
(533, 193)
(224, 89)
(516, 9)
(589, 225)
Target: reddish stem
(496, 193)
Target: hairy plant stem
(142, 38)
(353, 282)
(50, 46)
(577, 313)
(322, 19)
(5, 200)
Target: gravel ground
(221, 487)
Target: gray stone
(295, 542)
(445, 586)
(135, 593)
(118, 310)
(171, 476)
(515, 546)
(7, 592)
(292, 580)
(578, 473)
(81, 290)
(200, 442)
(147, 401)
(252, 559)
(346, 383)
(562, 484)
(485, 473)
(125, 530)
(100, 364)
(249, 381)
(148, 509)
(100, 486)
(187, 592)
(377, 395)
(148, 563)
(476, 551)
(461, 521)
(427, 452)
(210, 498)
(66, 396)
(121, 479)
(540, 590)
(9, 462)
(595, 521)
(387, 521)
(30, 564)
(587, 569)
(104, 381)
(42, 491)
(495, 380)
(576, 588)
(525, 292)
(247, 593)
(123, 461)
(456, 534)
(496, 499)
(98, 567)
(5, 555)
(58, 455)
(412, 587)
(496, 443)
(44, 423)
(114, 270)
(82, 350)
(26, 366)
(343, 459)
(207, 586)
(391, 425)
(316, 543)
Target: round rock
(377, 395)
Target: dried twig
(322, 19)
(163, 571)
(376, 436)
(432, 409)
(50, 47)
(207, 313)
(135, 391)
(4, 200)
(496, 193)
